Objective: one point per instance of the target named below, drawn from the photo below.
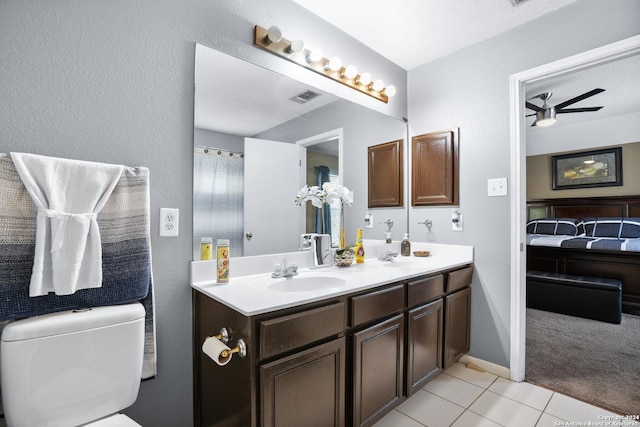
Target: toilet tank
(71, 367)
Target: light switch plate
(497, 187)
(169, 220)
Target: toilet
(73, 368)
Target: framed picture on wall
(600, 168)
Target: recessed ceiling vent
(517, 2)
(304, 97)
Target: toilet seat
(118, 420)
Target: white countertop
(254, 293)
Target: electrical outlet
(456, 221)
(497, 187)
(169, 220)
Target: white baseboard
(490, 367)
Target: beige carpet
(592, 361)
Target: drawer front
(425, 289)
(375, 305)
(459, 279)
(299, 329)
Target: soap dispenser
(405, 246)
(387, 237)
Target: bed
(598, 237)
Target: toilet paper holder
(240, 348)
(225, 337)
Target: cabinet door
(385, 175)
(457, 327)
(377, 370)
(424, 345)
(305, 389)
(434, 169)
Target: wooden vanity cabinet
(424, 331)
(457, 313)
(306, 388)
(345, 361)
(377, 343)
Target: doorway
(517, 83)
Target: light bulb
(350, 72)
(314, 56)
(296, 46)
(390, 91)
(273, 35)
(364, 79)
(377, 85)
(334, 64)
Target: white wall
(112, 81)
(470, 89)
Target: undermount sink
(306, 283)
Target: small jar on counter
(206, 248)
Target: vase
(343, 239)
(343, 258)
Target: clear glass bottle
(405, 246)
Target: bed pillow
(611, 227)
(556, 226)
(630, 228)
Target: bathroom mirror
(253, 126)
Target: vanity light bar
(293, 50)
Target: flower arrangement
(327, 195)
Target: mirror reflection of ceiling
(255, 100)
(618, 122)
(426, 25)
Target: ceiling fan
(546, 115)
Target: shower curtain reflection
(218, 193)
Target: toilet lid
(118, 420)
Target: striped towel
(124, 224)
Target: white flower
(327, 194)
(337, 192)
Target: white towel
(68, 195)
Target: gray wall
(470, 89)
(361, 128)
(112, 81)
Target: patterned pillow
(556, 226)
(630, 228)
(606, 227)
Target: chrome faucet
(387, 256)
(285, 270)
(319, 246)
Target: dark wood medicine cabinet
(385, 173)
(435, 168)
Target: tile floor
(463, 397)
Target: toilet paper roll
(213, 348)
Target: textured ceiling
(413, 32)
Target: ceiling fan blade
(529, 115)
(578, 110)
(532, 106)
(578, 98)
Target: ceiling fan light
(546, 117)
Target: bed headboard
(592, 207)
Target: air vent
(517, 2)
(304, 97)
